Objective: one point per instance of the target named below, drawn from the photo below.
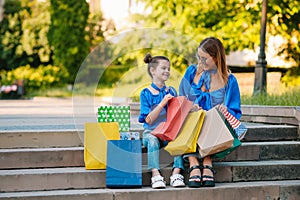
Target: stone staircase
(49, 165)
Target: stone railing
(272, 114)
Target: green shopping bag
(236, 141)
(120, 114)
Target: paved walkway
(42, 113)
(49, 113)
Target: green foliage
(284, 19)
(223, 19)
(133, 46)
(41, 78)
(67, 33)
(34, 38)
(292, 77)
(112, 74)
(10, 36)
(236, 22)
(94, 29)
(23, 30)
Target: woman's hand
(195, 107)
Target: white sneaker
(177, 180)
(158, 182)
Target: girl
(153, 101)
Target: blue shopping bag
(124, 164)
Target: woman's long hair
(214, 47)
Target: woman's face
(205, 61)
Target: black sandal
(194, 183)
(208, 183)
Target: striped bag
(239, 128)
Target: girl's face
(205, 61)
(162, 71)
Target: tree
(34, 41)
(23, 38)
(10, 36)
(67, 34)
(236, 22)
(285, 20)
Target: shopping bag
(124, 164)
(239, 128)
(216, 134)
(186, 141)
(178, 109)
(111, 113)
(236, 141)
(222, 154)
(95, 142)
(129, 135)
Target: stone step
(74, 138)
(234, 191)
(264, 132)
(55, 157)
(274, 150)
(40, 139)
(79, 178)
(41, 157)
(73, 156)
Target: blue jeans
(153, 145)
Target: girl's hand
(195, 107)
(166, 99)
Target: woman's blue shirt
(229, 95)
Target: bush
(41, 78)
(292, 77)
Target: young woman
(154, 101)
(208, 84)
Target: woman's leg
(194, 162)
(208, 173)
(207, 161)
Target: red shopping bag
(178, 109)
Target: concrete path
(51, 113)
(36, 114)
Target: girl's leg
(177, 179)
(178, 165)
(152, 144)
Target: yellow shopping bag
(186, 141)
(95, 142)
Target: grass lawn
(289, 97)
